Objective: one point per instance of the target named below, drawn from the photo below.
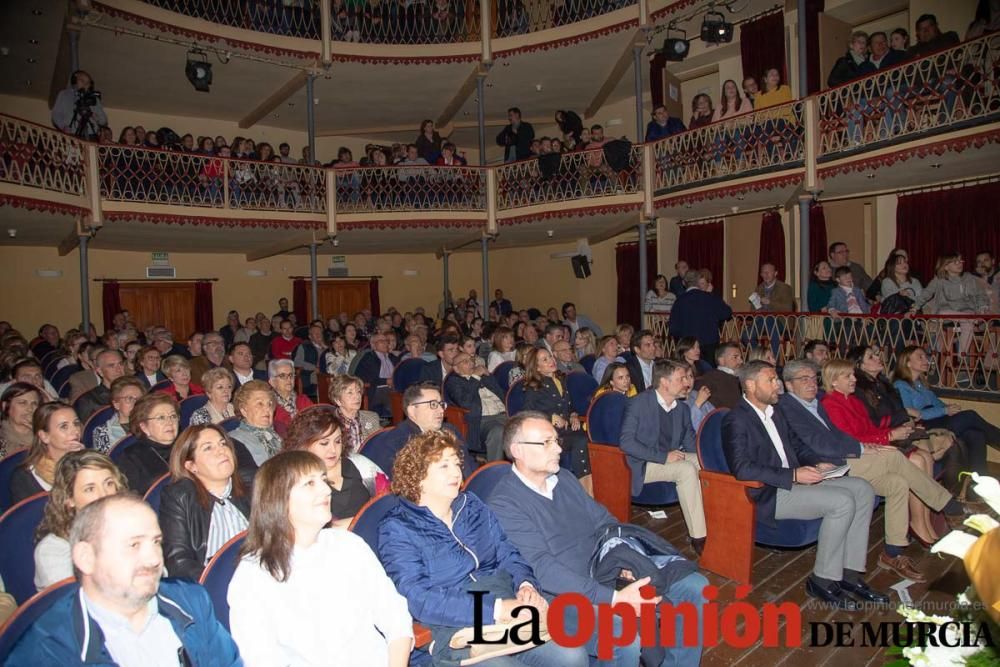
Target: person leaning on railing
(953, 291)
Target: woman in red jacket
(849, 414)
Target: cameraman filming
(78, 109)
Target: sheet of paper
(839, 471)
(658, 514)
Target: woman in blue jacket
(440, 544)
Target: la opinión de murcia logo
(738, 624)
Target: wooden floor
(779, 575)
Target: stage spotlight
(198, 71)
(676, 48)
(715, 29)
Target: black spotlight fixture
(715, 29)
(675, 49)
(198, 71)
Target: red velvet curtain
(817, 235)
(373, 297)
(772, 243)
(204, 321)
(702, 246)
(762, 46)
(965, 220)
(110, 303)
(627, 267)
(300, 305)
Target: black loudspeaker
(581, 267)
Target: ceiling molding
(275, 100)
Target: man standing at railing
(516, 137)
(78, 109)
(698, 313)
(772, 295)
(930, 38)
(840, 255)
(663, 124)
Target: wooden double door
(338, 295)
(170, 304)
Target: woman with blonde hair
(218, 384)
(347, 394)
(81, 477)
(503, 348)
(585, 342)
(178, 371)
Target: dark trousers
(974, 431)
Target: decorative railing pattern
(937, 92)
(294, 18)
(410, 188)
(276, 186)
(748, 143)
(964, 350)
(519, 17)
(615, 169)
(41, 157)
(391, 22)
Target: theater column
(84, 284)
(311, 116)
(444, 268)
(637, 68)
(483, 300)
(314, 280)
(642, 273)
(805, 270)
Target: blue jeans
(688, 589)
(548, 654)
(623, 656)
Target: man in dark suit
(424, 410)
(86, 379)
(885, 468)
(698, 313)
(110, 367)
(436, 371)
(722, 381)
(640, 363)
(502, 305)
(50, 342)
(476, 390)
(759, 446)
(658, 441)
(677, 280)
(375, 369)
(240, 363)
(516, 137)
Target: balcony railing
(393, 22)
(743, 145)
(560, 177)
(964, 350)
(41, 157)
(947, 90)
(410, 188)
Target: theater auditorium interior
(548, 297)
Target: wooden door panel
(834, 40)
(169, 304)
(336, 296)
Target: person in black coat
(882, 57)
(516, 137)
(436, 371)
(546, 391)
(482, 396)
(375, 369)
(759, 446)
(570, 124)
(205, 491)
(853, 64)
(424, 409)
(698, 313)
(640, 362)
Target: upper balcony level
(937, 115)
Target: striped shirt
(227, 520)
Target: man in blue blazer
(658, 441)
(698, 313)
(437, 370)
(759, 446)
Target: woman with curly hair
(354, 479)
(81, 478)
(545, 391)
(307, 594)
(439, 544)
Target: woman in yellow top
(616, 378)
(774, 92)
(772, 128)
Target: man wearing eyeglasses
(557, 527)
(424, 409)
(885, 468)
(472, 388)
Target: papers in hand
(839, 471)
(754, 300)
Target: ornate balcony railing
(276, 186)
(410, 188)
(519, 17)
(391, 22)
(613, 170)
(41, 157)
(964, 349)
(940, 92)
(295, 18)
(740, 146)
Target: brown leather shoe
(903, 566)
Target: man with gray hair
(698, 313)
(759, 446)
(110, 367)
(213, 354)
(659, 443)
(120, 612)
(885, 468)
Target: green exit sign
(161, 257)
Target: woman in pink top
(731, 103)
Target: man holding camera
(78, 109)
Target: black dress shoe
(861, 590)
(698, 544)
(833, 596)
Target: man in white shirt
(758, 446)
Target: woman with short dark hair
(17, 409)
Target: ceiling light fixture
(32, 61)
(675, 49)
(715, 29)
(198, 70)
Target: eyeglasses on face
(543, 443)
(285, 376)
(434, 404)
(808, 379)
(165, 419)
